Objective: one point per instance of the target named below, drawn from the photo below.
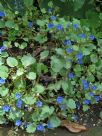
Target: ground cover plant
(50, 65)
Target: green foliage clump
(50, 67)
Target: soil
(94, 131)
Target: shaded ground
(95, 131)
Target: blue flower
(86, 101)
(19, 103)
(40, 127)
(92, 37)
(6, 108)
(97, 98)
(69, 50)
(2, 81)
(2, 14)
(59, 99)
(49, 10)
(2, 48)
(49, 126)
(79, 56)
(84, 81)
(38, 104)
(18, 95)
(59, 27)
(67, 42)
(79, 61)
(85, 84)
(50, 25)
(70, 75)
(52, 17)
(94, 87)
(30, 24)
(91, 94)
(75, 26)
(82, 36)
(18, 123)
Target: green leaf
(94, 58)
(23, 45)
(28, 3)
(20, 71)
(38, 88)
(7, 43)
(41, 23)
(46, 112)
(57, 85)
(86, 51)
(101, 114)
(51, 87)
(2, 24)
(41, 68)
(12, 62)
(55, 121)
(44, 54)
(75, 47)
(27, 60)
(3, 91)
(90, 77)
(59, 51)
(12, 6)
(2, 120)
(3, 71)
(93, 19)
(100, 15)
(35, 115)
(65, 87)
(31, 75)
(40, 38)
(78, 4)
(100, 87)
(68, 65)
(10, 24)
(1, 112)
(1, 61)
(29, 100)
(56, 64)
(85, 108)
(71, 104)
(31, 128)
(14, 114)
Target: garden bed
(50, 68)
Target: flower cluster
(44, 77)
(2, 81)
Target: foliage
(50, 66)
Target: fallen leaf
(73, 127)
